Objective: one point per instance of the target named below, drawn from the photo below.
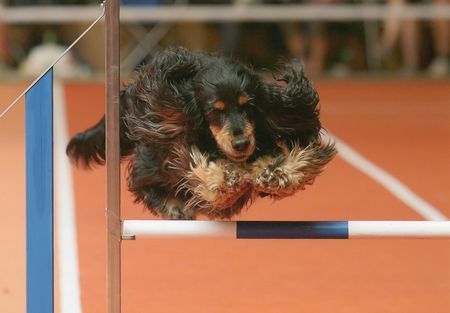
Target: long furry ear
(291, 104)
(298, 86)
(161, 103)
(176, 64)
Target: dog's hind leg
(151, 186)
(175, 209)
(166, 206)
(161, 202)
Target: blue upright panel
(39, 198)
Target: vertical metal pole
(113, 157)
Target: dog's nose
(240, 144)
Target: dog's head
(227, 96)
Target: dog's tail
(88, 147)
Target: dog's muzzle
(236, 148)
(242, 148)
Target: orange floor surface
(402, 126)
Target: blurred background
(382, 71)
(335, 38)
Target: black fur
(171, 105)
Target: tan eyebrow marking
(242, 100)
(219, 105)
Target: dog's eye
(219, 105)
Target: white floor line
(69, 281)
(392, 184)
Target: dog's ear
(291, 104)
(175, 65)
(161, 104)
(175, 68)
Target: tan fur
(261, 164)
(219, 105)
(285, 174)
(242, 100)
(215, 185)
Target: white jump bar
(399, 229)
(285, 229)
(150, 228)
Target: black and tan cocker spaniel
(206, 134)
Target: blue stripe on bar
(292, 230)
(39, 195)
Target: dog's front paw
(271, 180)
(235, 183)
(233, 177)
(272, 177)
(290, 171)
(215, 185)
(226, 183)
